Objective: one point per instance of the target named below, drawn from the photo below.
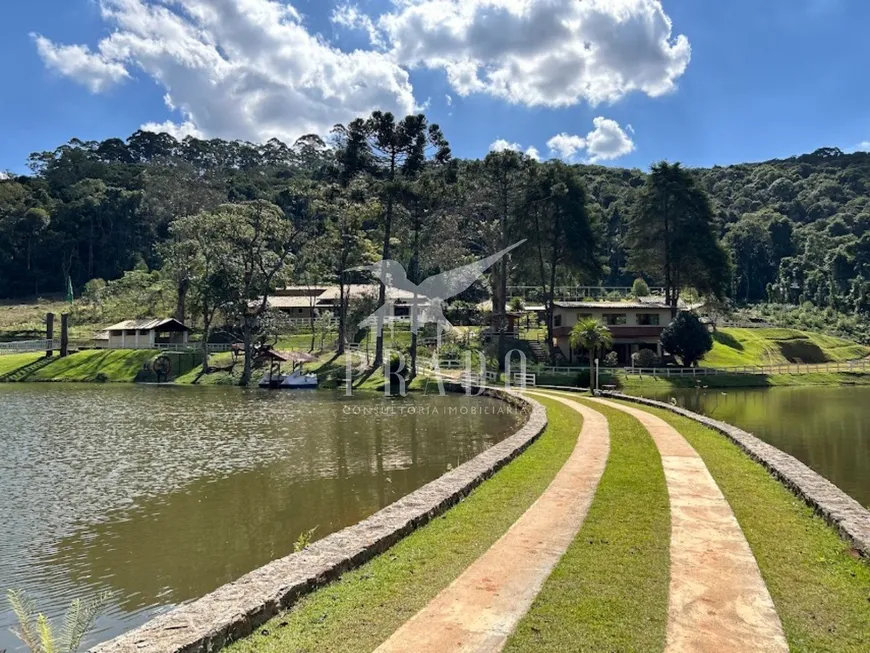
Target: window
(130, 332)
(583, 316)
(557, 320)
(648, 319)
(144, 332)
(614, 319)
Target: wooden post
(49, 334)
(64, 334)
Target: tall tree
(672, 236)
(565, 239)
(260, 249)
(395, 153)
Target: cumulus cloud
(551, 53)
(350, 17)
(179, 131)
(236, 68)
(606, 141)
(501, 145)
(532, 153)
(566, 146)
(92, 69)
(863, 146)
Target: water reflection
(163, 494)
(827, 428)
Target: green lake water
(162, 494)
(827, 428)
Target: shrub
(687, 338)
(645, 358)
(639, 288)
(611, 360)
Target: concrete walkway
(481, 608)
(718, 602)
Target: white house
(144, 334)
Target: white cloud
(350, 17)
(863, 146)
(4, 175)
(92, 69)
(449, 99)
(566, 145)
(179, 131)
(607, 141)
(244, 69)
(548, 52)
(501, 145)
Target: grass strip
(610, 590)
(820, 588)
(634, 384)
(365, 606)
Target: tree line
(385, 187)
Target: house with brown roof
(635, 325)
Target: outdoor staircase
(23, 373)
(538, 351)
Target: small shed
(147, 334)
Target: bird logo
(426, 299)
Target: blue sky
(625, 82)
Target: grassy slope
(366, 605)
(821, 591)
(27, 321)
(634, 384)
(118, 366)
(12, 362)
(734, 347)
(610, 590)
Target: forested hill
(797, 228)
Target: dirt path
(480, 609)
(718, 602)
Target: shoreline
(237, 609)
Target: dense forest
(796, 230)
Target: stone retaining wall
(845, 514)
(238, 608)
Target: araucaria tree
(672, 236)
(394, 153)
(564, 235)
(687, 338)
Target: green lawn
(117, 365)
(633, 384)
(367, 605)
(12, 362)
(610, 590)
(735, 347)
(820, 587)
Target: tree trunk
(206, 332)
(247, 337)
(342, 315)
(181, 304)
(382, 293)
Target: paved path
(718, 602)
(481, 608)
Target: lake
(827, 428)
(161, 494)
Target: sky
(615, 82)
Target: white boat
(296, 379)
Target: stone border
(236, 609)
(841, 511)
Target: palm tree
(592, 335)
